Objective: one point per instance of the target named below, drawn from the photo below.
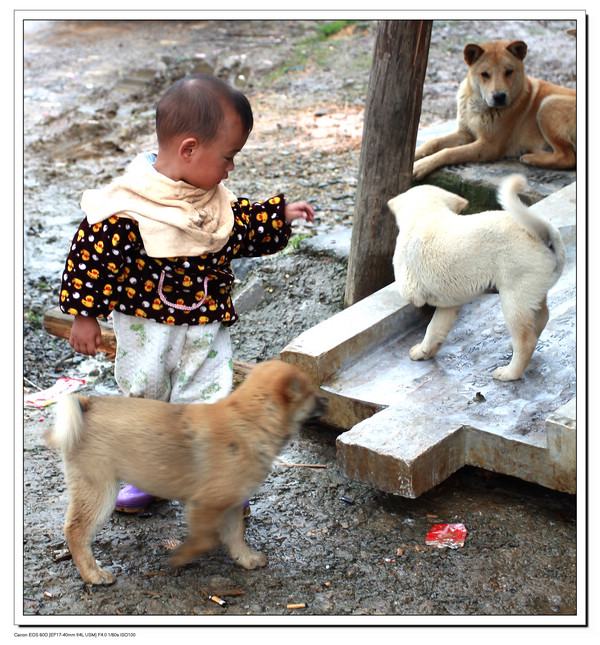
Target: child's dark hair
(194, 106)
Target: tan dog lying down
(446, 260)
(504, 113)
(210, 456)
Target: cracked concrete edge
(535, 464)
(410, 463)
(561, 435)
(408, 459)
(340, 340)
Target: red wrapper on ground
(447, 535)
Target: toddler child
(155, 252)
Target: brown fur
(210, 456)
(504, 113)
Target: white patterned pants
(176, 363)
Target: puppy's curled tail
(533, 223)
(68, 425)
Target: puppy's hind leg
(232, 535)
(90, 505)
(524, 326)
(541, 317)
(436, 334)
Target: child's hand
(299, 210)
(85, 335)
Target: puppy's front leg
(436, 334)
(232, 535)
(203, 535)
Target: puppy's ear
(518, 49)
(459, 204)
(292, 388)
(471, 53)
(395, 206)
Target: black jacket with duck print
(107, 268)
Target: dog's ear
(293, 388)
(456, 203)
(518, 49)
(471, 53)
(392, 204)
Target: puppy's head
(288, 391)
(423, 199)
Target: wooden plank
(59, 324)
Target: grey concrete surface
(409, 425)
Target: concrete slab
(411, 424)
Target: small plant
(34, 319)
(312, 48)
(293, 244)
(332, 27)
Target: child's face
(210, 163)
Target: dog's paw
(505, 374)
(417, 174)
(417, 353)
(100, 577)
(420, 169)
(251, 560)
(180, 557)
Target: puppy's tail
(533, 223)
(68, 425)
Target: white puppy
(445, 260)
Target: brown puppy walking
(210, 456)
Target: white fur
(445, 260)
(68, 424)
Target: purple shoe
(132, 500)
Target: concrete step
(409, 425)
(479, 182)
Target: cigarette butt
(348, 500)
(219, 601)
(298, 605)
(289, 465)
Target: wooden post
(390, 130)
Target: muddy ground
(347, 553)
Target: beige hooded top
(174, 218)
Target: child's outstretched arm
(85, 335)
(299, 210)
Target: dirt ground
(346, 553)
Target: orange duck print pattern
(107, 269)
